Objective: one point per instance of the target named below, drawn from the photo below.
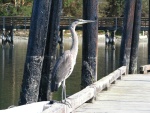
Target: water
(11, 71)
(12, 66)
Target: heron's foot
(63, 101)
(54, 101)
(66, 103)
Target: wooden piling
(50, 49)
(106, 39)
(35, 51)
(149, 41)
(90, 41)
(61, 42)
(12, 36)
(3, 23)
(135, 38)
(148, 46)
(127, 33)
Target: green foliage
(67, 3)
(102, 5)
(9, 9)
(25, 11)
(145, 8)
(114, 8)
(72, 8)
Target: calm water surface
(12, 66)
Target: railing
(7, 22)
(86, 94)
(144, 69)
(24, 22)
(73, 101)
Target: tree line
(71, 8)
(15, 7)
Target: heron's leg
(63, 91)
(64, 94)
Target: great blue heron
(65, 64)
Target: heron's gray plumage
(65, 64)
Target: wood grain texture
(130, 95)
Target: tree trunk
(22, 2)
(35, 51)
(15, 2)
(19, 2)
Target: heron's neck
(74, 48)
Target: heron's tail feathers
(54, 87)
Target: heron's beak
(86, 21)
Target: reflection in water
(7, 54)
(113, 60)
(110, 64)
(11, 71)
(106, 62)
(3, 63)
(142, 55)
(12, 65)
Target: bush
(9, 9)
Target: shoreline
(100, 37)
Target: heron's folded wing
(63, 67)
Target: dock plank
(129, 95)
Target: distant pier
(108, 25)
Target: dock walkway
(129, 95)
(115, 93)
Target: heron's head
(81, 21)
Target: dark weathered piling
(149, 39)
(61, 42)
(50, 49)
(3, 23)
(35, 51)
(106, 39)
(127, 33)
(12, 36)
(90, 41)
(135, 38)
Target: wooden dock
(115, 93)
(129, 95)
